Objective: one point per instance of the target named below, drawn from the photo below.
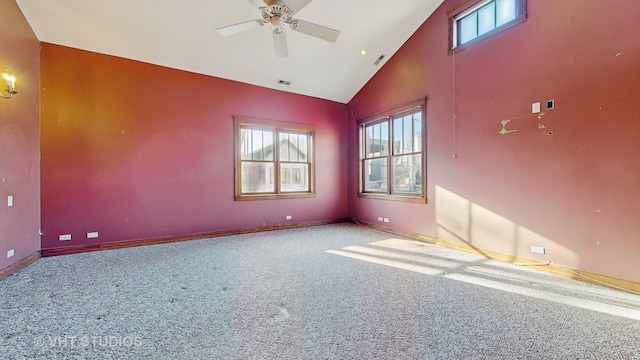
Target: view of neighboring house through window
(478, 19)
(392, 155)
(294, 166)
(273, 159)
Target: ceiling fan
(279, 13)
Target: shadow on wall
(461, 220)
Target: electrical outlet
(288, 217)
(10, 253)
(92, 235)
(10, 200)
(538, 250)
(379, 218)
(386, 219)
(65, 237)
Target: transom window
(475, 20)
(273, 159)
(392, 160)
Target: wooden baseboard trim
(19, 265)
(76, 249)
(554, 269)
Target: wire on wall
(454, 148)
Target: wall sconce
(11, 85)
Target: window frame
(471, 6)
(242, 122)
(389, 115)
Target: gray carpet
(326, 292)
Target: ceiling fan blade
(257, 3)
(243, 26)
(319, 31)
(280, 43)
(296, 5)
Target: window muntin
(391, 156)
(270, 169)
(475, 20)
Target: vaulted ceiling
(182, 34)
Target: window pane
(257, 177)
(368, 141)
(397, 136)
(267, 138)
(294, 147)
(375, 177)
(261, 145)
(407, 134)
(384, 138)
(506, 11)
(377, 141)
(469, 28)
(257, 152)
(284, 149)
(303, 147)
(285, 176)
(245, 144)
(417, 132)
(294, 177)
(407, 174)
(486, 18)
(294, 153)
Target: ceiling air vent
(380, 58)
(284, 82)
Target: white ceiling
(181, 34)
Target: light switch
(535, 108)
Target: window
(392, 161)
(476, 20)
(273, 159)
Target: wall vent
(284, 82)
(380, 58)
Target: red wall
(133, 150)
(575, 192)
(19, 138)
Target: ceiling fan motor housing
(276, 13)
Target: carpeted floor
(326, 292)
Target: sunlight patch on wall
(488, 227)
(452, 216)
(460, 220)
